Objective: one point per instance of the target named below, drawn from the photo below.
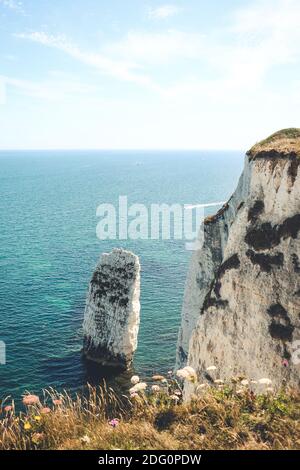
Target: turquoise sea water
(49, 248)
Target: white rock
(112, 313)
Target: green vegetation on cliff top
(285, 142)
(220, 417)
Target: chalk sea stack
(242, 296)
(112, 312)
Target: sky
(147, 74)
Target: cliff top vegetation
(284, 142)
(220, 416)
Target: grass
(286, 141)
(221, 417)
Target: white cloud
(264, 16)
(13, 5)
(56, 88)
(226, 79)
(152, 47)
(258, 39)
(9, 57)
(116, 68)
(163, 12)
(267, 35)
(271, 27)
(237, 58)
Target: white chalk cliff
(112, 313)
(241, 308)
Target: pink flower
(37, 436)
(285, 363)
(114, 422)
(45, 410)
(31, 400)
(57, 402)
(8, 408)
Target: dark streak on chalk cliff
(267, 236)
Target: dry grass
(286, 141)
(221, 418)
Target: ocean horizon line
(177, 150)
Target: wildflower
(174, 398)
(45, 410)
(201, 387)
(158, 378)
(27, 426)
(211, 368)
(240, 391)
(114, 422)
(37, 418)
(57, 402)
(85, 439)
(245, 382)
(178, 393)
(190, 370)
(30, 400)
(37, 436)
(182, 373)
(138, 387)
(285, 363)
(265, 381)
(155, 388)
(240, 378)
(218, 381)
(8, 408)
(135, 379)
(134, 395)
(187, 373)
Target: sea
(49, 249)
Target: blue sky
(147, 74)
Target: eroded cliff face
(112, 313)
(241, 309)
